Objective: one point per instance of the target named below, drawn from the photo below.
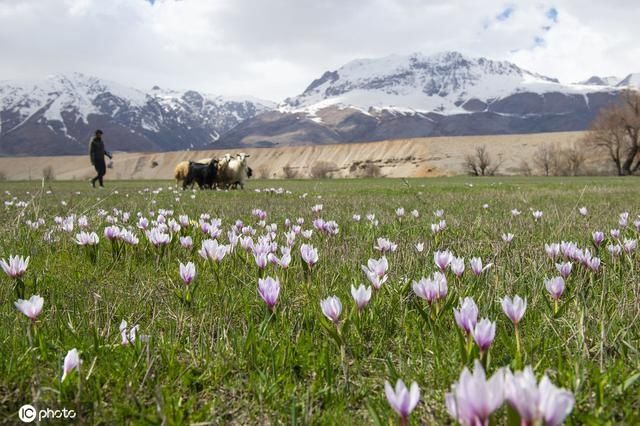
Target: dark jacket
(96, 150)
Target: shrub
(289, 172)
(322, 169)
(48, 173)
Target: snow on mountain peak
(422, 83)
(600, 81)
(631, 81)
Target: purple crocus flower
(431, 289)
(624, 219)
(514, 308)
(128, 336)
(598, 238)
(143, 223)
(534, 402)
(483, 333)
(568, 249)
(87, 239)
(564, 269)
(71, 361)
(184, 220)
(157, 237)
(309, 254)
(261, 259)
(187, 272)
(555, 404)
(361, 296)
(615, 233)
(384, 245)
(375, 280)
(442, 259)
(129, 237)
(379, 267)
(376, 271)
(630, 246)
(553, 250)
(331, 308)
(31, 308)
(507, 238)
(537, 215)
(476, 266)
(555, 287)
(211, 249)
(186, 242)
(473, 398)
(426, 289)
(467, 315)
(457, 266)
(593, 263)
(112, 233)
(614, 249)
(402, 400)
(269, 289)
(15, 267)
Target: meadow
(213, 349)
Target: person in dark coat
(96, 154)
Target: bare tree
(289, 172)
(322, 169)
(543, 158)
(370, 170)
(480, 163)
(573, 159)
(616, 133)
(524, 168)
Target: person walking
(96, 155)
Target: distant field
(420, 157)
(212, 353)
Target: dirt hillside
(395, 158)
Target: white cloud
(274, 49)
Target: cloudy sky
(274, 48)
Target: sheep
(181, 170)
(223, 162)
(203, 174)
(234, 185)
(235, 171)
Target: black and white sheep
(202, 174)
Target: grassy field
(212, 353)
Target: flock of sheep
(225, 172)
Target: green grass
(224, 359)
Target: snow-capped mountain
(394, 97)
(417, 95)
(601, 81)
(58, 115)
(442, 82)
(631, 81)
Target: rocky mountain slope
(446, 94)
(415, 96)
(58, 115)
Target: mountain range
(445, 94)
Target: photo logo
(27, 413)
